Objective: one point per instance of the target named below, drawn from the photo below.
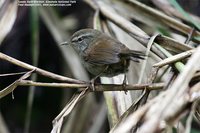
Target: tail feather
(134, 55)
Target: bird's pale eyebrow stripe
(88, 34)
(84, 35)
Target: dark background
(48, 102)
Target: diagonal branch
(38, 70)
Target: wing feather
(105, 51)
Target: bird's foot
(124, 86)
(92, 84)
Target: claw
(124, 88)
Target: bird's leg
(92, 81)
(125, 78)
(124, 83)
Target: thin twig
(60, 85)
(174, 58)
(144, 64)
(38, 70)
(58, 121)
(98, 87)
(144, 96)
(9, 89)
(12, 74)
(190, 36)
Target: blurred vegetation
(90, 115)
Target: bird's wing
(105, 51)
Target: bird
(101, 54)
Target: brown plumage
(102, 54)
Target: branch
(98, 87)
(38, 70)
(174, 58)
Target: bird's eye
(80, 39)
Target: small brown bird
(101, 54)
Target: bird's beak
(64, 43)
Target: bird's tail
(135, 56)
